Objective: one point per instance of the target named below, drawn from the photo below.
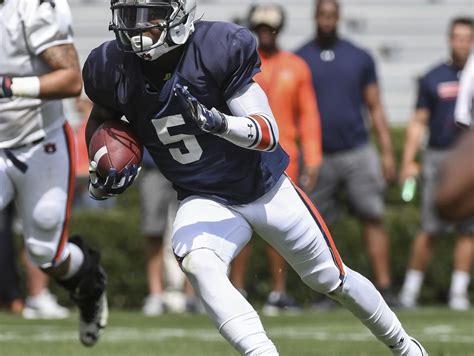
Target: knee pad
(201, 262)
(40, 253)
(48, 215)
(322, 277)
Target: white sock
(232, 314)
(459, 283)
(360, 297)
(411, 286)
(77, 258)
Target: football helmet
(151, 28)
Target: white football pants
(208, 235)
(40, 179)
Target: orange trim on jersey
(70, 190)
(324, 229)
(265, 131)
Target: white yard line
(26, 334)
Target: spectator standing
(158, 205)
(286, 80)
(157, 201)
(345, 80)
(435, 108)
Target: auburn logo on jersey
(448, 90)
(49, 148)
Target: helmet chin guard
(151, 28)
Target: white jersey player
(39, 66)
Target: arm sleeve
(464, 111)
(253, 125)
(46, 26)
(309, 124)
(241, 62)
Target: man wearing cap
(286, 79)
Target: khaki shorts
(157, 201)
(358, 174)
(431, 223)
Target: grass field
(443, 332)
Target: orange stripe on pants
(70, 190)
(322, 226)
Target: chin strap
(51, 2)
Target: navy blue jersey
(218, 60)
(438, 91)
(340, 75)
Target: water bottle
(409, 189)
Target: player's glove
(104, 188)
(212, 121)
(5, 87)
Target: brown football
(114, 145)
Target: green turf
(443, 332)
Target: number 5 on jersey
(190, 142)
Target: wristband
(26, 86)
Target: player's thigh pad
(42, 196)
(365, 183)
(203, 223)
(287, 220)
(6, 185)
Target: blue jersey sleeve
(241, 62)
(99, 78)
(424, 98)
(370, 73)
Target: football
(114, 145)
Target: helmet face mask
(150, 28)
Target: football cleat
(87, 289)
(94, 312)
(418, 346)
(413, 348)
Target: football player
(186, 88)
(38, 65)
